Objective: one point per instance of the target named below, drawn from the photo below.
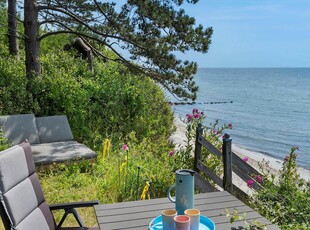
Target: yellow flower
(145, 192)
(123, 165)
(106, 148)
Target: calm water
(270, 112)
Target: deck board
(138, 214)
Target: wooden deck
(138, 214)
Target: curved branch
(49, 21)
(17, 18)
(80, 21)
(145, 71)
(106, 17)
(138, 68)
(97, 52)
(102, 12)
(57, 32)
(134, 67)
(70, 31)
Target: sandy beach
(275, 165)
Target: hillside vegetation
(106, 106)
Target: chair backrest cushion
(20, 191)
(18, 128)
(54, 129)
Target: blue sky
(254, 33)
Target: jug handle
(169, 196)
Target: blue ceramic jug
(184, 190)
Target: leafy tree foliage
(100, 104)
(151, 32)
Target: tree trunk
(84, 48)
(12, 28)
(32, 44)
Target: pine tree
(12, 28)
(150, 32)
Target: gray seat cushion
(39, 219)
(18, 128)
(47, 153)
(20, 191)
(54, 129)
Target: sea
(269, 108)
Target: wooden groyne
(198, 103)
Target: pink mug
(182, 222)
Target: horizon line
(214, 67)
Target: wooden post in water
(199, 132)
(227, 160)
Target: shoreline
(178, 137)
(274, 164)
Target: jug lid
(185, 172)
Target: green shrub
(3, 32)
(13, 87)
(4, 144)
(212, 133)
(284, 201)
(107, 103)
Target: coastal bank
(254, 158)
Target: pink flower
(286, 158)
(250, 183)
(195, 110)
(197, 115)
(259, 178)
(189, 117)
(214, 131)
(296, 147)
(245, 159)
(230, 125)
(171, 153)
(125, 147)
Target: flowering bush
(250, 183)
(171, 153)
(125, 147)
(245, 159)
(212, 133)
(284, 200)
(259, 178)
(184, 157)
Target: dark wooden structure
(137, 215)
(231, 163)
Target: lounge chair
(23, 206)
